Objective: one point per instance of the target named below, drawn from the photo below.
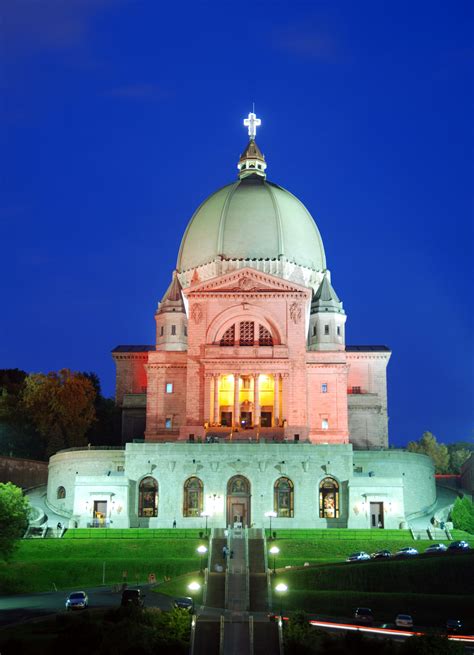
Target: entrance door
(376, 515)
(246, 420)
(266, 419)
(226, 419)
(238, 501)
(100, 512)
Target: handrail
(226, 591)
(206, 580)
(280, 636)
(267, 572)
(221, 634)
(251, 635)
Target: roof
(374, 349)
(326, 299)
(133, 349)
(252, 151)
(172, 301)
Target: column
(256, 399)
(207, 398)
(285, 401)
(276, 399)
(236, 416)
(217, 418)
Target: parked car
(408, 551)
(436, 548)
(184, 603)
(132, 597)
(358, 557)
(458, 546)
(364, 615)
(404, 621)
(381, 554)
(77, 600)
(453, 625)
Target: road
(15, 609)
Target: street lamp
(274, 550)
(271, 515)
(193, 588)
(202, 550)
(206, 515)
(281, 588)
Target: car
(458, 546)
(132, 597)
(404, 621)
(408, 551)
(358, 557)
(77, 600)
(364, 615)
(381, 554)
(184, 603)
(436, 548)
(453, 625)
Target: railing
(267, 572)
(247, 569)
(193, 635)
(226, 588)
(221, 634)
(251, 633)
(280, 636)
(78, 448)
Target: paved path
(236, 628)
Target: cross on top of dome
(252, 122)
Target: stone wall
(25, 473)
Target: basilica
(249, 405)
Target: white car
(409, 551)
(404, 621)
(358, 557)
(77, 600)
(436, 548)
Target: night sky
(118, 118)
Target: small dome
(251, 219)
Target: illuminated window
(228, 338)
(169, 387)
(246, 333)
(329, 499)
(325, 424)
(283, 498)
(264, 336)
(193, 496)
(324, 388)
(148, 497)
(168, 423)
(326, 330)
(173, 329)
(356, 390)
(61, 493)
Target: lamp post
(202, 550)
(193, 588)
(281, 588)
(271, 515)
(274, 550)
(205, 515)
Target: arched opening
(193, 497)
(329, 499)
(283, 498)
(238, 501)
(148, 497)
(61, 493)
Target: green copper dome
(251, 219)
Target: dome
(252, 219)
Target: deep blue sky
(118, 117)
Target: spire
(252, 161)
(172, 301)
(326, 299)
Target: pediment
(246, 280)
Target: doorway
(226, 419)
(100, 512)
(266, 419)
(376, 515)
(238, 502)
(246, 420)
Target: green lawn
(179, 587)
(38, 564)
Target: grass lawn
(179, 587)
(38, 564)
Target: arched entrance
(238, 501)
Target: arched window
(148, 497)
(329, 499)
(246, 333)
(61, 493)
(264, 336)
(193, 496)
(238, 485)
(283, 498)
(228, 338)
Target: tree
(459, 452)
(462, 514)
(106, 429)
(61, 406)
(14, 512)
(428, 445)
